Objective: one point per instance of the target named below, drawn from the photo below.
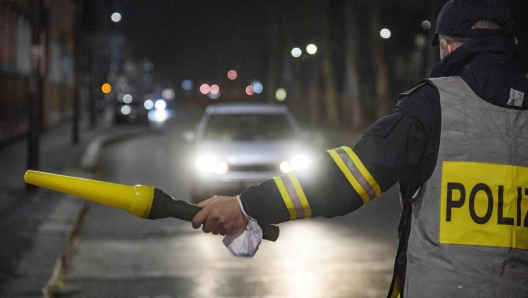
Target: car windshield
(249, 127)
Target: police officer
(457, 144)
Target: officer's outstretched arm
(337, 184)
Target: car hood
(244, 153)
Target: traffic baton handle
(140, 200)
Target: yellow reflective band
(348, 174)
(363, 170)
(286, 197)
(301, 195)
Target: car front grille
(253, 168)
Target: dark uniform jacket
(401, 147)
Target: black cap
(457, 16)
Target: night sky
(200, 40)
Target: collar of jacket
(454, 63)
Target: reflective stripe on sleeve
(293, 196)
(356, 173)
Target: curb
(88, 164)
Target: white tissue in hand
(245, 243)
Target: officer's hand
(220, 215)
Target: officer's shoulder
(424, 88)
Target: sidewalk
(38, 228)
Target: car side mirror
(189, 136)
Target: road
(119, 255)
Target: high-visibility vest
(468, 232)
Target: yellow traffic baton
(140, 200)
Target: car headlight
(209, 164)
(298, 161)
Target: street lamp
(311, 49)
(385, 33)
(116, 17)
(280, 94)
(296, 52)
(426, 25)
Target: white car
(239, 145)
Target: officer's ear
(446, 47)
(449, 45)
(516, 41)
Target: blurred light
(232, 74)
(280, 94)
(221, 168)
(426, 25)
(213, 95)
(214, 89)
(116, 17)
(311, 49)
(125, 110)
(148, 77)
(257, 87)
(187, 85)
(106, 88)
(158, 115)
(125, 88)
(300, 161)
(296, 52)
(420, 40)
(249, 90)
(285, 167)
(160, 104)
(127, 98)
(148, 104)
(204, 88)
(148, 66)
(385, 33)
(206, 163)
(168, 94)
(120, 97)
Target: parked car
(129, 108)
(239, 145)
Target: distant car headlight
(221, 168)
(160, 105)
(125, 110)
(209, 164)
(298, 161)
(285, 167)
(148, 104)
